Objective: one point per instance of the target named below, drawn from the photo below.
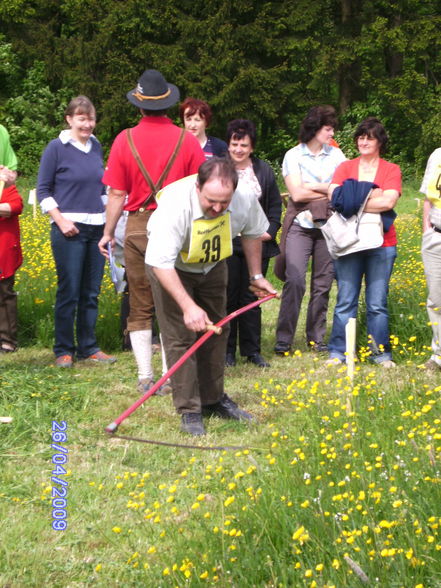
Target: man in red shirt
(155, 139)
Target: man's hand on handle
(196, 319)
(261, 288)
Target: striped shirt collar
(325, 150)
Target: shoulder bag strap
(361, 210)
(154, 188)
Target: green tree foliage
(34, 117)
(268, 61)
(8, 69)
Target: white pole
(33, 200)
(351, 329)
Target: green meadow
(337, 483)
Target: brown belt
(142, 209)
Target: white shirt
(248, 181)
(432, 164)
(313, 168)
(169, 227)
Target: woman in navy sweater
(70, 190)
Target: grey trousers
(431, 254)
(200, 380)
(302, 244)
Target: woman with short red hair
(196, 117)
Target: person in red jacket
(11, 205)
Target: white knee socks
(142, 349)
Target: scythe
(211, 329)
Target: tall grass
(331, 471)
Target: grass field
(338, 483)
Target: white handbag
(359, 232)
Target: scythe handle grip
(214, 328)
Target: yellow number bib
(434, 187)
(210, 240)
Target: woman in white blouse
(307, 169)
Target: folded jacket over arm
(347, 199)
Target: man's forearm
(252, 249)
(115, 205)
(169, 280)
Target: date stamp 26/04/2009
(59, 483)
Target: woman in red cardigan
(375, 265)
(11, 205)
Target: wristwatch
(256, 277)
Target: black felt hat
(153, 92)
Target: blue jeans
(376, 265)
(80, 268)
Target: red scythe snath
(112, 428)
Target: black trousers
(8, 312)
(248, 326)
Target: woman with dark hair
(374, 264)
(307, 169)
(256, 178)
(196, 117)
(70, 190)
